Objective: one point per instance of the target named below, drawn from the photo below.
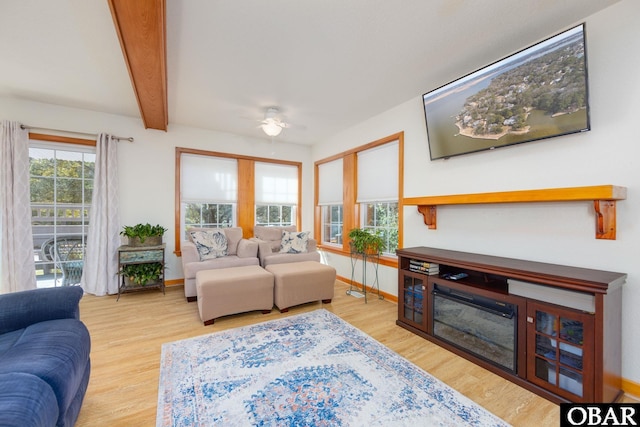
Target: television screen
(539, 92)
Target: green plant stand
(366, 258)
(140, 256)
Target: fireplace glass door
(479, 325)
(413, 295)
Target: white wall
(146, 166)
(561, 233)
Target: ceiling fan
(272, 125)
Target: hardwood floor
(127, 336)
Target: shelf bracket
(429, 214)
(605, 219)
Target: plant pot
(149, 241)
(366, 251)
(131, 284)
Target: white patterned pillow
(294, 242)
(210, 244)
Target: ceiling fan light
(271, 128)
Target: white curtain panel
(17, 265)
(100, 275)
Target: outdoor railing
(52, 223)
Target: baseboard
(631, 388)
(174, 282)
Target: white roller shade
(276, 184)
(330, 183)
(378, 174)
(208, 179)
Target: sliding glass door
(61, 185)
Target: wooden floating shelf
(604, 199)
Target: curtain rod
(119, 138)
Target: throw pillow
(210, 244)
(294, 242)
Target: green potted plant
(141, 274)
(144, 234)
(366, 241)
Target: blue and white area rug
(312, 369)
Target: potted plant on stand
(141, 274)
(141, 261)
(144, 234)
(365, 244)
(365, 241)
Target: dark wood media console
(553, 329)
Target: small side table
(129, 255)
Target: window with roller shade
(276, 194)
(209, 191)
(378, 192)
(362, 188)
(330, 201)
(217, 189)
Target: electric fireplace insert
(482, 326)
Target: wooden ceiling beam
(141, 28)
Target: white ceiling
(328, 64)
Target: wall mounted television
(537, 93)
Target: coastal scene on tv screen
(537, 93)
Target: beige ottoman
(225, 291)
(300, 282)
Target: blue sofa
(44, 357)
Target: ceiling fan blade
(295, 126)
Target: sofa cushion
(26, 400)
(210, 244)
(8, 340)
(56, 351)
(233, 234)
(21, 309)
(272, 234)
(247, 249)
(294, 242)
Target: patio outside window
(61, 186)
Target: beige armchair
(269, 239)
(239, 252)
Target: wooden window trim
(63, 139)
(351, 209)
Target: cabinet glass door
(559, 349)
(413, 294)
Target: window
(214, 215)
(330, 200)
(276, 193)
(332, 224)
(274, 215)
(361, 188)
(209, 192)
(61, 186)
(215, 189)
(382, 217)
(378, 192)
